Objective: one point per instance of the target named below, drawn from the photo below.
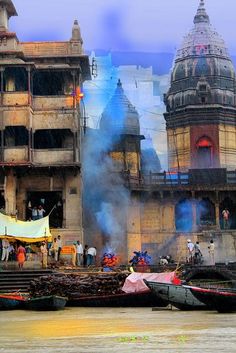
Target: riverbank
(105, 330)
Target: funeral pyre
(140, 258)
(75, 285)
(109, 260)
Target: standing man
(59, 242)
(190, 248)
(79, 253)
(5, 249)
(91, 256)
(225, 215)
(41, 212)
(54, 249)
(211, 251)
(34, 213)
(44, 252)
(197, 253)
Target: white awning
(32, 231)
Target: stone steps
(14, 281)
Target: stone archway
(204, 152)
(206, 215)
(184, 216)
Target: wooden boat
(223, 300)
(137, 299)
(11, 301)
(52, 302)
(177, 295)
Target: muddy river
(118, 330)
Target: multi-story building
(40, 124)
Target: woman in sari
(21, 255)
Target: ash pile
(75, 286)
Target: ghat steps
(15, 280)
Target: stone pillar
(217, 211)
(1, 86)
(10, 193)
(134, 237)
(29, 86)
(2, 145)
(194, 212)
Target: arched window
(184, 216)
(204, 152)
(206, 212)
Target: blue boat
(11, 301)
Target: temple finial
(76, 34)
(201, 15)
(119, 84)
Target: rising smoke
(106, 199)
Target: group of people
(16, 252)
(36, 213)
(83, 256)
(195, 256)
(79, 257)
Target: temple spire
(201, 15)
(7, 10)
(76, 34)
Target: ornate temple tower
(121, 121)
(200, 104)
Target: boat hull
(46, 303)
(224, 301)
(140, 299)
(176, 295)
(10, 302)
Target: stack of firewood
(75, 286)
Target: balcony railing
(15, 98)
(53, 156)
(52, 102)
(207, 177)
(15, 154)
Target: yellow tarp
(25, 231)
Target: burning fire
(109, 260)
(140, 258)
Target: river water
(117, 330)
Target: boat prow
(179, 296)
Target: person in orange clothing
(73, 254)
(21, 256)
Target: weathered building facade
(40, 125)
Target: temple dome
(203, 38)
(120, 116)
(203, 71)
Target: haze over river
(117, 330)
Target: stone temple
(185, 202)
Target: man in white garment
(79, 253)
(5, 249)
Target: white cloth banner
(11, 227)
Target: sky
(121, 25)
